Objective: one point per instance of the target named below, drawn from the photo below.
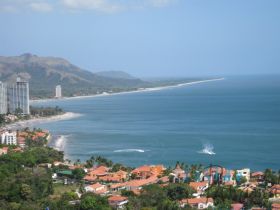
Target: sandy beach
(128, 92)
(40, 120)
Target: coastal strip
(132, 91)
(40, 120)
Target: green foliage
(45, 111)
(271, 177)
(178, 191)
(78, 173)
(90, 201)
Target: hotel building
(3, 98)
(18, 97)
(58, 93)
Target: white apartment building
(3, 98)
(58, 93)
(245, 173)
(18, 97)
(9, 138)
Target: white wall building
(58, 93)
(18, 97)
(3, 98)
(9, 138)
(245, 173)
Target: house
(237, 206)
(97, 188)
(4, 150)
(9, 137)
(199, 203)
(179, 174)
(257, 176)
(117, 201)
(199, 187)
(134, 184)
(248, 187)
(243, 173)
(95, 173)
(275, 206)
(118, 176)
(275, 190)
(144, 172)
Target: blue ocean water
(234, 123)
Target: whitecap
(207, 149)
(130, 150)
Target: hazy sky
(147, 37)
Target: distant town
(101, 184)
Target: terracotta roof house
(97, 188)
(199, 187)
(199, 203)
(275, 190)
(237, 206)
(257, 176)
(118, 176)
(179, 174)
(96, 173)
(4, 150)
(275, 206)
(117, 201)
(144, 172)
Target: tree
(26, 191)
(90, 201)
(78, 173)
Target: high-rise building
(18, 97)
(3, 98)
(58, 91)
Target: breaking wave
(207, 149)
(130, 150)
(60, 142)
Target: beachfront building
(243, 173)
(198, 203)
(58, 93)
(18, 97)
(9, 138)
(3, 98)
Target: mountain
(115, 74)
(44, 73)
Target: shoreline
(40, 120)
(139, 90)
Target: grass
(60, 189)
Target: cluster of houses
(102, 181)
(18, 138)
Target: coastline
(40, 120)
(128, 92)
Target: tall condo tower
(3, 98)
(58, 91)
(18, 97)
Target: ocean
(234, 123)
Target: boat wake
(208, 149)
(130, 150)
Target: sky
(147, 38)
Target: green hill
(44, 73)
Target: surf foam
(207, 149)
(130, 150)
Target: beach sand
(40, 120)
(128, 92)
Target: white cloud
(107, 6)
(41, 7)
(98, 5)
(25, 5)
